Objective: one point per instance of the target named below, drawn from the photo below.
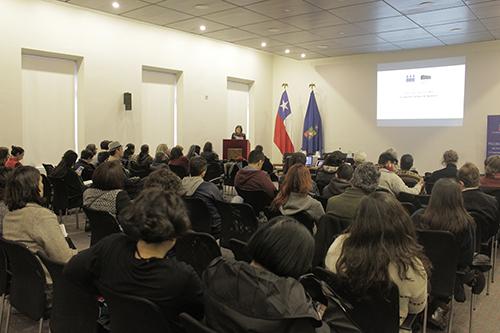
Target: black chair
(214, 170)
(259, 200)
(483, 240)
(409, 207)
(375, 312)
(102, 224)
(27, 285)
(180, 171)
(240, 250)
(329, 227)
(201, 219)
(238, 221)
(192, 325)
(48, 168)
(4, 282)
(62, 202)
(197, 249)
(306, 220)
(442, 250)
(73, 309)
(132, 314)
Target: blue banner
(312, 139)
(493, 136)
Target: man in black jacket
(477, 201)
(84, 166)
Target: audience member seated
(294, 197)
(264, 296)
(65, 172)
(379, 248)
(162, 147)
(14, 160)
(30, 224)
(178, 159)
(298, 158)
(194, 150)
(103, 155)
(364, 181)
(141, 262)
(267, 166)
(4, 156)
(339, 182)
(238, 133)
(164, 179)
(142, 166)
(327, 171)
(4, 172)
(92, 148)
(406, 170)
(450, 160)
(252, 178)
(160, 161)
(84, 165)
(359, 158)
(128, 155)
(106, 193)
(491, 179)
(390, 180)
(196, 187)
(477, 201)
(208, 152)
(115, 151)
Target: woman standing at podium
(238, 133)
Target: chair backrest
(102, 224)
(238, 221)
(240, 250)
(60, 199)
(192, 325)
(257, 199)
(4, 274)
(377, 311)
(305, 219)
(329, 227)
(481, 229)
(197, 249)
(201, 219)
(178, 170)
(132, 314)
(48, 168)
(73, 309)
(442, 250)
(28, 284)
(214, 170)
(409, 207)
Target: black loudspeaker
(127, 100)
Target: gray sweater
(298, 202)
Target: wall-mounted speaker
(127, 100)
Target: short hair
(86, 154)
(145, 149)
(175, 153)
(105, 144)
(492, 166)
(386, 157)
(109, 176)
(259, 148)
(155, 216)
(164, 179)
(393, 153)
(335, 159)
(406, 162)
(450, 156)
(256, 156)
(207, 147)
(16, 150)
(92, 148)
(297, 158)
(22, 188)
(366, 177)
(345, 171)
(283, 246)
(162, 147)
(469, 175)
(360, 157)
(4, 154)
(197, 165)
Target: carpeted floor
(486, 318)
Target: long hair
(297, 180)
(446, 209)
(207, 148)
(381, 233)
(22, 188)
(67, 162)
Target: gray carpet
(486, 318)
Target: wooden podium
(235, 149)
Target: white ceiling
(320, 28)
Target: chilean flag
(281, 136)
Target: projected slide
(421, 93)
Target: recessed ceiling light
(273, 30)
(341, 33)
(455, 29)
(425, 3)
(115, 5)
(203, 28)
(287, 10)
(287, 51)
(303, 55)
(322, 47)
(201, 6)
(263, 44)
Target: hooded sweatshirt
(298, 202)
(208, 192)
(243, 298)
(250, 179)
(335, 187)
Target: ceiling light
(287, 51)
(303, 55)
(115, 5)
(263, 44)
(322, 47)
(425, 3)
(341, 33)
(287, 10)
(201, 6)
(203, 28)
(455, 29)
(273, 30)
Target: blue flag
(312, 139)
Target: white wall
(346, 95)
(114, 49)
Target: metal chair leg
(77, 219)
(40, 325)
(7, 321)
(450, 318)
(424, 326)
(471, 310)
(1, 311)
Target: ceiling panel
(236, 17)
(419, 43)
(256, 43)
(495, 33)
(492, 23)
(486, 9)
(196, 7)
(193, 25)
(443, 16)
(283, 8)
(417, 6)
(297, 37)
(456, 28)
(242, 2)
(314, 20)
(366, 11)
(330, 4)
(157, 15)
(359, 40)
(341, 30)
(231, 35)
(125, 5)
(402, 35)
(387, 24)
(467, 38)
(270, 28)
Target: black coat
(485, 204)
(88, 169)
(450, 171)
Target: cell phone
(79, 170)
